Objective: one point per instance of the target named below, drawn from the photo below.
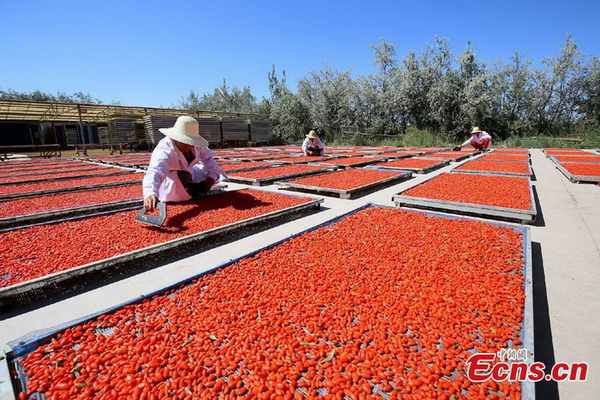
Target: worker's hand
(208, 183)
(150, 202)
(204, 186)
(185, 177)
(457, 148)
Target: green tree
(589, 102)
(445, 92)
(329, 95)
(475, 108)
(413, 86)
(37, 95)
(223, 98)
(387, 111)
(290, 116)
(558, 87)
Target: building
(24, 122)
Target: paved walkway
(566, 267)
(570, 250)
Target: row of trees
(432, 90)
(77, 97)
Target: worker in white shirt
(313, 146)
(480, 140)
(181, 166)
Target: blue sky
(151, 53)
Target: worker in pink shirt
(181, 167)
(480, 140)
(313, 146)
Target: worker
(313, 146)
(181, 167)
(480, 140)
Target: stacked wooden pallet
(121, 130)
(235, 129)
(260, 131)
(71, 135)
(152, 124)
(210, 128)
(103, 135)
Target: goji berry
(346, 179)
(336, 309)
(68, 183)
(39, 204)
(495, 166)
(40, 250)
(497, 191)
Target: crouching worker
(181, 166)
(480, 140)
(313, 146)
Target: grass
(590, 140)
(420, 138)
(413, 137)
(537, 142)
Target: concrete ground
(566, 240)
(569, 266)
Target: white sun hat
(186, 130)
(476, 129)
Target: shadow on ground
(542, 330)
(539, 219)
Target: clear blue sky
(151, 53)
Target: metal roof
(48, 111)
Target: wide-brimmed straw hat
(476, 129)
(312, 135)
(186, 130)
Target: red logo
(484, 366)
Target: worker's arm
(206, 184)
(305, 147)
(485, 135)
(467, 142)
(207, 168)
(155, 175)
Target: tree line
(433, 90)
(77, 97)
